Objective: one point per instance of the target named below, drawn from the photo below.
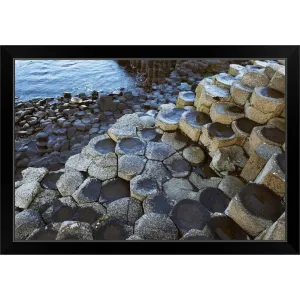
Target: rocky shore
(196, 160)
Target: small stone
(72, 230)
(26, 222)
(25, 194)
(156, 227)
(44, 200)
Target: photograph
(150, 150)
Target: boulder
(230, 185)
(73, 230)
(48, 232)
(225, 112)
(194, 155)
(104, 167)
(44, 200)
(240, 93)
(25, 194)
(79, 162)
(69, 182)
(254, 78)
(89, 212)
(88, 191)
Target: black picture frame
(10, 53)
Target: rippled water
(50, 78)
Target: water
(50, 78)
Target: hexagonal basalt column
(258, 160)
(216, 135)
(224, 80)
(175, 140)
(191, 124)
(213, 199)
(114, 189)
(268, 134)
(273, 174)
(100, 145)
(240, 93)
(256, 115)
(130, 166)
(235, 69)
(254, 78)
(168, 119)
(104, 167)
(267, 100)
(225, 112)
(243, 128)
(185, 99)
(202, 83)
(189, 214)
(88, 191)
(225, 228)
(278, 122)
(133, 146)
(177, 165)
(211, 94)
(159, 151)
(142, 187)
(277, 82)
(255, 208)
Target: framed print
(150, 149)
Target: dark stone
(87, 215)
(105, 146)
(62, 212)
(246, 125)
(50, 179)
(281, 162)
(149, 134)
(159, 204)
(189, 214)
(44, 233)
(220, 130)
(235, 109)
(225, 228)
(111, 229)
(214, 199)
(114, 189)
(260, 201)
(274, 134)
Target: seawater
(50, 78)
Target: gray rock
(134, 237)
(175, 140)
(194, 155)
(159, 151)
(178, 189)
(26, 222)
(196, 234)
(89, 212)
(126, 210)
(49, 181)
(111, 229)
(189, 214)
(177, 165)
(130, 165)
(156, 227)
(142, 187)
(33, 174)
(69, 182)
(159, 204)
(48, 232)
(104, 167)
(72, 230)
(133, 146)
(88, 191)
(44, 200)
(201, 183)
(231, 185)
(25, 194)
(79, 162)
(156, 170)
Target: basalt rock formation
(210, 166)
